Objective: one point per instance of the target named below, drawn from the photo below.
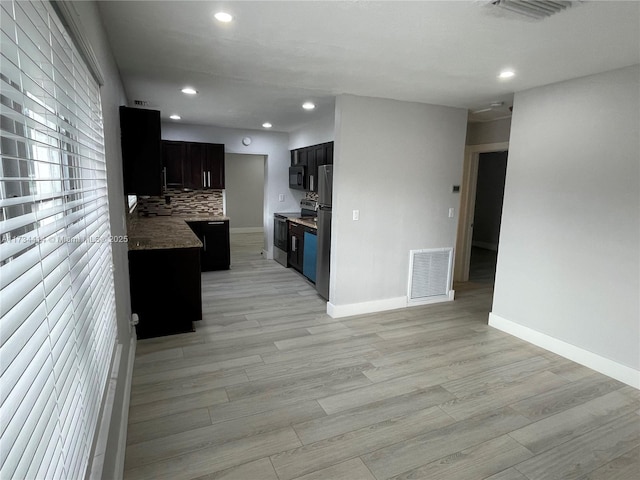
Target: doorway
(480, 247)
(244, 192)
(492, 169)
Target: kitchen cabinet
(165, 289)
(193, 165)
(213, 165)
(141, 155)
(302, 248)
(311, 158)
(295, 251)
(173, 159)
(215, 252)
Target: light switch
(451, 212)
(356, 214)
(281, 197)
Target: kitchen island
(164, 273)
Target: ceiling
(275, 55)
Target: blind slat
(57, 324)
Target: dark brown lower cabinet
(165, 290)
(296, 246)
(215, 252)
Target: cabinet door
(296, 246)
(312, 170)
(215, 246)
(173, 157)
(193, 171)
(165, 289)
(141, 155)
(302, 156)
(329, 153)
(214, 166)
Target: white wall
(396, 163)
(320, 130)
(569, 259)
(112, 94)
(244, 191)
(274, 145)
(480, 133)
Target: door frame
(468, 204)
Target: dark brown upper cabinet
(312, 157)
(141, 157)
(193, 165)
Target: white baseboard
(122, 443)
(102, 434)
(246, 230)
(584, 357)
(266, 254)
(339, 311)
(429, 300)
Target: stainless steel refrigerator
(325, 189)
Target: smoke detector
(532, 9)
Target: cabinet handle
(311, 181)
(164, 174)
(293, 243)
(215, 223)
(204, 179)
(204, 241)
(209, 178)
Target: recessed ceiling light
(189, 91)
(175, 117)
(267, 125)
(506, 74)
(308, 105)
(223, 17)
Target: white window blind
(57, 324)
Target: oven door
(280, 233)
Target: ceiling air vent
(534, 9)
(141, 103)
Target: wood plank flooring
(271, 388)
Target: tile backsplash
(181, 202)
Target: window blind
(57, 306)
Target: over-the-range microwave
(296, 177)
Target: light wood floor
(271, 388)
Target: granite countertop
(165, 232)
(310, 222)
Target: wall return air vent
(430, 276)
(533, 9)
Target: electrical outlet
(451, 212)
(281, 197)
(356, 214)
